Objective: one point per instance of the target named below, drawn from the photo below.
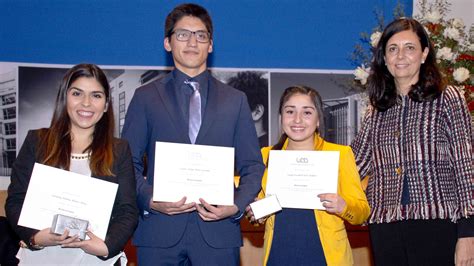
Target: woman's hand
(94, 246)
(464, 254)
(332, 202)
(45, 238)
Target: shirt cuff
(236, 217)
(466, 227)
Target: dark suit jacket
(124, 215)
(154, 115)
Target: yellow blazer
(332, 232)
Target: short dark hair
(315, 98)
(254, 86)
(381, 84)
(191, 10)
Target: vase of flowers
(454, 47)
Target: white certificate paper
(297, 177)
(54, 191)
(194, 171)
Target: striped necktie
(194, 111)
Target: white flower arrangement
(433, 16)
(461, 74)
(445, 53)
(452, 33)
(374, 38)
(361, 74)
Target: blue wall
(248, 34)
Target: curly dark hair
(255, 87)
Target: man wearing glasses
(190, 106)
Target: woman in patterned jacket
(415, 147)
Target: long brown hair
(55, 142)
(315, 98)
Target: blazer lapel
(211, 109)
(168, 95)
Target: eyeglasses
(183, 35)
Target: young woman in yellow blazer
(312, 237)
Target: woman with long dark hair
(415, 147)
(79, 139)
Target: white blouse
(56, 255)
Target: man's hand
(251, 217)
(215, 213)
(172, 208)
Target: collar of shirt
(183, 91)
(203, 80)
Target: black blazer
(124, 217)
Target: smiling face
(403, 57)
(86, 104)
(299, 120)
(189, 56)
